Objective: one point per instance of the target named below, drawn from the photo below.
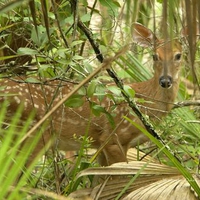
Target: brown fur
(67, 122)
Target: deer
(159, 94)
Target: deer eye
(155, 57)
(177, 57)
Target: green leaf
(100, 92)
(26, 51)
(77, 57)
(48, 73)
(63, 53)
(97, 109)
(32, 80)
(110, 119)
(129, 91)
(115, 90)
(86, 17)
(75, 101)
(112, 6)
(160, 1)
(41, 38)
(76, 42)
(91, 89)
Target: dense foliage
(67, 40)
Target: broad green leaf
(97, 109)
(63, 53)
(32, 80)
(41, 38)
(26, 51)
(129, 91)
(76, 42)
(115, 90)
(100, 92)
(112, 6)
(77, 57)
(75, 101)
(91, 89)
(86, 17)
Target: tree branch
(186, 103)
(117, 81)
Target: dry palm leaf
(137, 180)
(134, 154)
(114, 187)
(130, 168)
(166, 189)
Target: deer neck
(158, 101)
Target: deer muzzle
(165, 81)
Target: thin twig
(186, 103)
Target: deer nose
(165, 81)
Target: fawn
(159, 93)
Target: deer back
(66, 125)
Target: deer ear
(143, 36)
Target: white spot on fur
(71, 121)
(35, 96)
(25, 104)
(125, 122)
(80, 109)
(123, 130)
(17, 99)
(8, 87)
(36, 106)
